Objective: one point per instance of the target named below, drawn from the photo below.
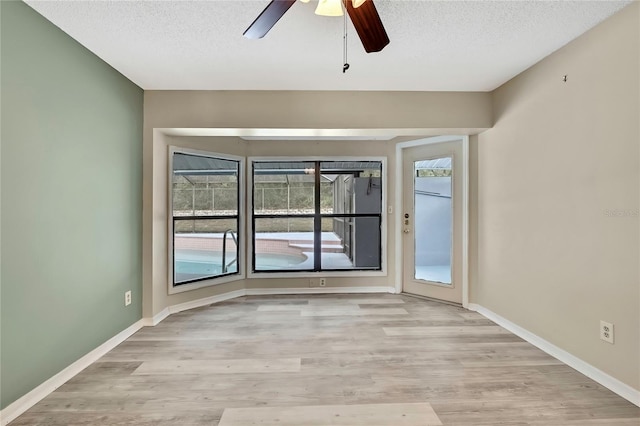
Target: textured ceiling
(435, 45)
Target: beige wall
(348, 113)
(562, 156)
(317, 110)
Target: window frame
(174, 288)
(312, 273)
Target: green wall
(71, 166)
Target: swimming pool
(268, 261)
(194, 265)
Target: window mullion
(317, 223)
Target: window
(311, 216)
(205, 199)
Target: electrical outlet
(323, 282)
(606, 331)
(127, 298)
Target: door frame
(399, 184)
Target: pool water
(192, 266)
(269, 261)
(199, 268)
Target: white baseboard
(318, 290)
(627, 392)
(16, 408)
(157, 318)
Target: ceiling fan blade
(368, 25)
(268, 18)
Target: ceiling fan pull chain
(345, 66)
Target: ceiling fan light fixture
(356, 3)
(329, 8)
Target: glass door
(432, 219)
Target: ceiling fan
(363, 14)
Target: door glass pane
(433, 219)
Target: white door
(432, 221)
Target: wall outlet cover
(606, 331)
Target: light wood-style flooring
(317, 360)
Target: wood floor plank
(520, 362)
(280, 308)
(444, 331)
(365, 300)
(220, 366)
(416, 414)
(352, 312)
